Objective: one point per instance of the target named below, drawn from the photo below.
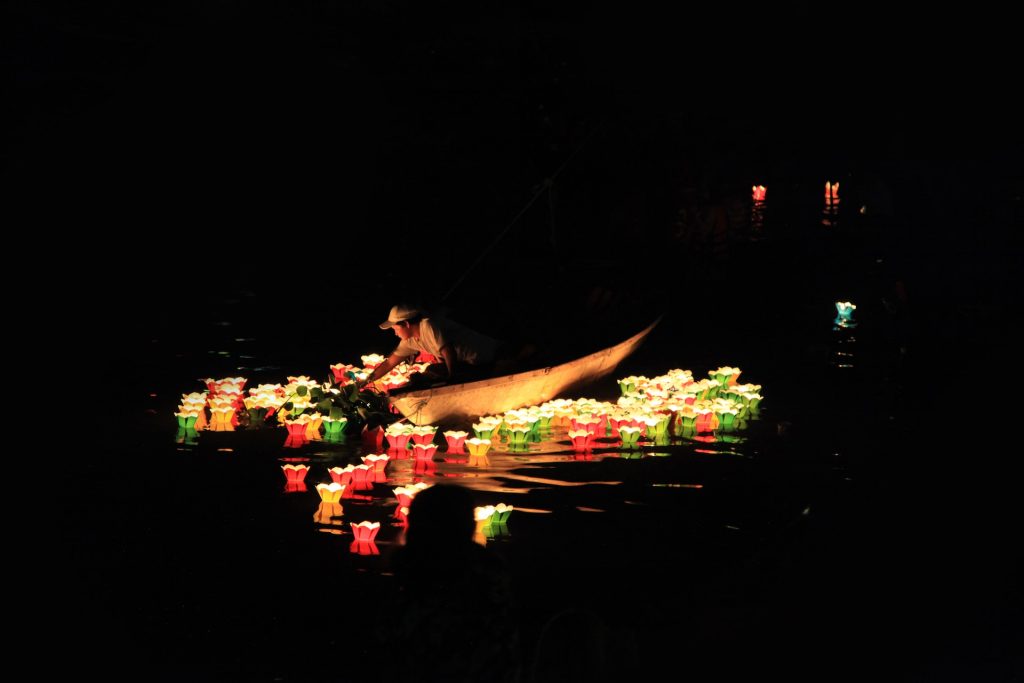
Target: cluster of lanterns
(648, 409)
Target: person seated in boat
(464, 354)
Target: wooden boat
(459, 403)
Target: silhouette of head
(441, 515)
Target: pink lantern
(832, 192)
(402, 515)
(374, 437)
(365, 531)
(581, 439)
(424, 452)
(456, 441)
(423, 439)
(341, 475)
(404, 497)
(361, 473)
(615, 425)
(340, 371)
(377, 462)
(397, 442)
(587, 423)
(295, 473)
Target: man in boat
(464, 354)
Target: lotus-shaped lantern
(456, 441)
(294, 473)
(581, 439)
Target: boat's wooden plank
(498, 394)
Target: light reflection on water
(550, 480)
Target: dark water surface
(817, 543)
(245, 190)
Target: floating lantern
(587, 423)
(341, 475)
(405, 494)
(519, 435)
(361, 474)
(456, 440)
(581, 439)
(424, 452)
(341, 373)
(402, 515)
(725, 375)
(334, 427)
(373, 437)
(544, 419)
(629, 436)
(187, 420)
(727, 418)
(377, 461)
(844, 314)
(296, 427)
(313, 426)
(478, 446)
(493, 514)
(330, 493)
(222, 419)
(491, 522)
(759, 193)
(831, 193)
(365, 531)
(423, 435)
(706, 420)
(483, 430)
(295, 473)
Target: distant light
(844, 317)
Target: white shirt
(469, 346)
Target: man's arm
(384, 368)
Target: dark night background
(329, 145)
(248, 137)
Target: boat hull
(461, 402)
